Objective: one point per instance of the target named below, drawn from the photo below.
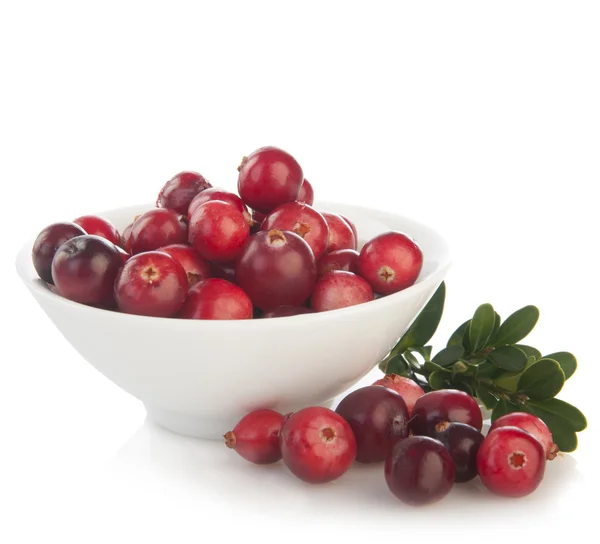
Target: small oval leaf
(560, 426)
(559, 409)
(566, 361)
(488, 370)
(397, 365)
(504, 407)
(529, 351)
(438, 380)
(517, 326)
(488, 400)
(449, 355)
(481, 326)
(542, 380)
(457, 336)
(508, 358)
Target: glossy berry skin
(444, 405)
(179, 191)
(158, 228)
(339, 289)
(341, 259)
(93, 224)
(287, 311)
(84, 269)
(531, 424)
(352, 226)
(378, 417)
(256, 437)
(276, 268)
(408, 389)
(390, 262)
(511, 462)
(306, 193)
(317, 445)
(462, 442)
(151, 284)
(215, 298)
(196, 268)
(302, 219)
(340, 233)
(419, 470)
(214, 193)
(126, 238)
(269, 177)
(218, 231)
(47, 243)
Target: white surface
(478, 118)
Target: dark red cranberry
(340, 233)
(92, 224)
(256, 437)
(276, 268)
(158, 228)
(225, 271)
(511, 462)
(390, 262)
(269, 177)
(46, 244)
(408, 389)
(305, 221)
(180, 190)
(215, 298)
(126, 238)
(214, 193)
(196, 268)
(84, 269)
(378, 417)
(353, 227)
(306, 193)
(287, 311)
(444, 405)
(317, 445)
(419, 470)
(152, 284)
(339, 289)
(532, 425)
(341, 259)
(257, 220)
(462, 442)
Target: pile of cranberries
(206, 253)
(426, 441)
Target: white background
(479, 118)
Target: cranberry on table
(158, 228)
(339, 289)
(276, 268)
(390, 262)
(196, 268)
(151, 284)
(215, 298)
(287, 311)
(47, 243)
(269, 177)
(340, 233)
(408, 389)
(179, 191)
(84, 269)
(531, 424)
(214, 193)
(93, 224)
(352, 226)
(306, 193)
(462, 442)
(317, 445)
(340, 259)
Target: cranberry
(179, 191)
(46, 244)
(218, 231)
(340, 233)
(287, 311)
(306, 193)
(532, 425)
(258, 217)
(511, 462)
(276, 268)
(215, 193)
(152, 284)
(158, 228)
(305, 221)
(92, 224)
(126, 238)
(196, 268)
(390, 262)
(225, 271)
(256, 437)
(317, 445)
(269, 177)
(352, 226)
(408, 389)
(215, 298)
(462, 442)
(341, 259)
(444, 405)
(378, 417)
(339, 289)
(84, 269)
(124, 255)
(419, 470)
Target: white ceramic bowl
(200, 377)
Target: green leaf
(449, 355)
(517, 326)
(529, 351)
(530, 361)
(504, 407)
(556, 408)
(481, 327)
(423, 351)
(509, 381)
(397, 365)
(488, 400)
(542, 380)
(508, 358)
(457, 336)
(438, 380)
(430, 366)
(488, 370)
(497, 321)
(459, 368)
(463, 386)
(566, 361)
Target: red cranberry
(378, 417)
(444, 405)
(196, 268)
(305, 221)
(215, 193)
(408, 389)
(339, 289)
(84, 269)
(353, 227)
(269, 177)
(158, 228)
(152, 284)
(390, 262)
(46, 244)
(287, 311)
(179, 191)
(92, 224)
(317, 445)
(341, 259)
(215, 298)
(511, 462)
(340, 233)
(225, 271)
(532, 425)
(256, 437)
(306, 193)
(419, 470)
(462, 442)
(276, 268)
(126, 238)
